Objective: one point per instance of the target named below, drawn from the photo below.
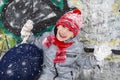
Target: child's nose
(65, 30)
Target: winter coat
(75, 59)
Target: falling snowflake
(24, 63)
(10, 72)
(10, 65)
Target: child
(63, 53)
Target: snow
(9, 72)
(17, 1)
(24, 63)
(50, 15)
(10, 65)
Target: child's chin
(60, 39)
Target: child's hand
(102, 51)
(28, 26)
(26, 30)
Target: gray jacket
(75, 58)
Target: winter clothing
(61, 51)
(102, 50)
(66, 68)
(63, 59)
(25, 32)
(72, 20)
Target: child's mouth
(62, 36)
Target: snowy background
(100, 18)
(101, 25)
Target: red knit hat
(72, 20)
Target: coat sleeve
(86, 61)
(37, 40)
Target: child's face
(64, 33)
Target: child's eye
(69, 30)
(63, 26)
